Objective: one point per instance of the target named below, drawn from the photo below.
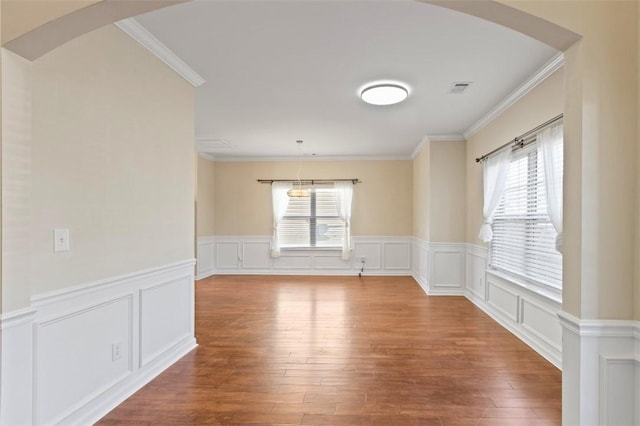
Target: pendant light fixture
(299, 192)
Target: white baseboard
(67, 342)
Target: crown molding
(449, 137)
(207, 156)
(416, 151)
(133, 29)
(538, 77)
(239, 159)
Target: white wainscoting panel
(600, 383)
(256, 254)
(294, 261)
(16, 367)
(252, 255)
(227, 255)
(372, 253)
(420, 260)
(503, 299)
(166, 317)
(74, 356)
(541, 322)
(206, 258)
(620, 394)
(439, 268)
(330, 262)
(447, 269)
(96, 344)
(529, 315)
(396, 255)
(476, 264)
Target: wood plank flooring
(345, 351)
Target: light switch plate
(61, 240)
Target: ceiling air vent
(211, 144)
(460, 87)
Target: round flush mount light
(384, 93)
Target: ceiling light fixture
(384, 93)
(299, 192)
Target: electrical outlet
(363, 259)
(116, 351)
(61, 240)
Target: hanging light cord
(299, 142)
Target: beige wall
(637, 289)
(447, 193)
(421, 194)
(544, 102)
(113, 161)
(382, 203)
(205, 198)
(1, 179)
(16, 167)
(22, 16)
(600, 155)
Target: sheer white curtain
(550, 145)
(280, 201)
(344, 191)
(496, 172)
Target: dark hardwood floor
(345, 351)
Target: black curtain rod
(519, 141)
(309, 181)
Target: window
(312, 221)
(523, 235)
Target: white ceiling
(278, 71)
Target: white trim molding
(447, 137)
(416, 151)
(601, 381)
(439, 268)
(532, 82)
(77, 353)
(136, 31)
(205, 265)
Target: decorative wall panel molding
(251, 255)
(205, 265)
(602, 383)
(439, 268)
(16, 367)
(82, 350)
(531, 316)
(447, 269)
(420, 261)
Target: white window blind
(312, 221)
(523, 236)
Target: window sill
(552, 294)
